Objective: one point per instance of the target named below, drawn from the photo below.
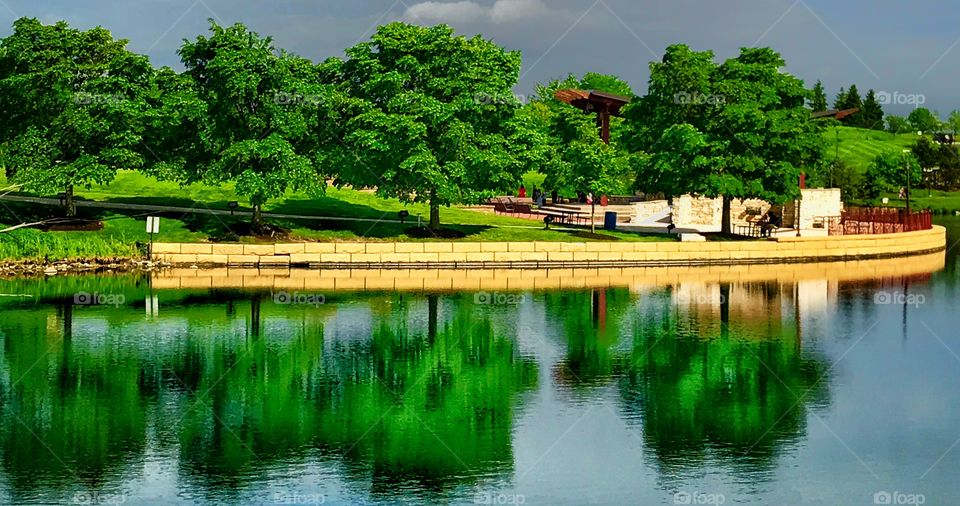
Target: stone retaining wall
(487, 255)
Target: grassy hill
(859, 146)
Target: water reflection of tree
(71, 412)
(708, 380)
(591, 322)
(719, 396)
(399, 406)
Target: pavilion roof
(835, 114)
(592, 100)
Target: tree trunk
(724, 310)
(68, 203)
(434, 212)
(725, 225)
(257, 219)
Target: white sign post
(153, 227)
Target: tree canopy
(922, 120)
(749, 138)
(435, 116)
(73, 103)
(262, 108)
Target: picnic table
(563, 213)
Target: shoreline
(504, 255)
(31, 267)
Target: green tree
(262, 109)
(818, 102)
(605, 83)
(927, 153)
(871, 116)
(923, 120)
(840, 99)
(575, 159)
(749, 139)
(852, 100)
(436, 116)
(953, 122)
(897, 124)
(73, 106)
(847, 178)
(174, 121)
(889, 172)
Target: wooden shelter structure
(835, 114)
(604, 105)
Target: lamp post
(906, 162)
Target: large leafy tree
(174, 127)
(897, 124)
(73, 105)
(749, 138)
(262, 108)
(890, 171)
(432, 116)
(921, 119)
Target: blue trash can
(610, 220)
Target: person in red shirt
(522, 192)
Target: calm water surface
(771, 392)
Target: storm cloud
(899, 48)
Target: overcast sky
(910, 50)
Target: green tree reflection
(73, 410)
(721, 397)
(249, 386)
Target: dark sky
(909, 50)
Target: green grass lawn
(859, 146)
(940, 202)
(124, 229)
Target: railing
(748, 230)
(878, 220)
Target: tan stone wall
(696, 211)
(553, 254)
(701, 211)
(635, 278)
(816, 203)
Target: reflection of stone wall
(636, 278)
(702, 211)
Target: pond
(785, 388)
